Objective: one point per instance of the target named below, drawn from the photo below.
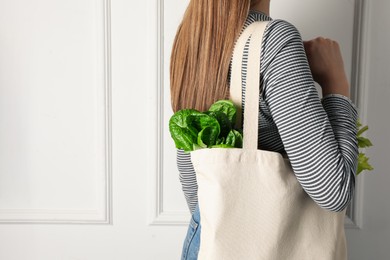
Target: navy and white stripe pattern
(318, 136)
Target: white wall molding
(157, 215)
(102, 213)
(108, 203)
(359, 97)
(50, 216)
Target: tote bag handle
(255, 32)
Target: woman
(318, 136)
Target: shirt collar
(259, 16)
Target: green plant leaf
(239, 138)
(208, 127)
(234, 139)
(223, 120)
(222, 146)
(182, 132)
(362, 130)
(231, 139)
(363, 142)
(207, 137)
(227, 107)
(196, 147)
(220, 140)
(363, 164)
(358, 123)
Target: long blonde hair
(202, 50)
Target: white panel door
(87, 166)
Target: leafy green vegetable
(189, 127)
(207, 137)
(223, 120)
(208, 128)
(234, 138)
(227, 107)
(363, 142)
(192, 130)
(220, 140)
(183, 132)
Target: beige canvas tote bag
(251, 204)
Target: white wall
(373, 239)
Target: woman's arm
(187, 179)
(319, 136)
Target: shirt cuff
(340, 96)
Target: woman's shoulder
(276, 28)
(279, 34)
(282, 31)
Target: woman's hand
(327, 67)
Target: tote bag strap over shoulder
(255, 32)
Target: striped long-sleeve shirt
(318, 135)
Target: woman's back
(319, 139)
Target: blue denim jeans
(192, 240)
